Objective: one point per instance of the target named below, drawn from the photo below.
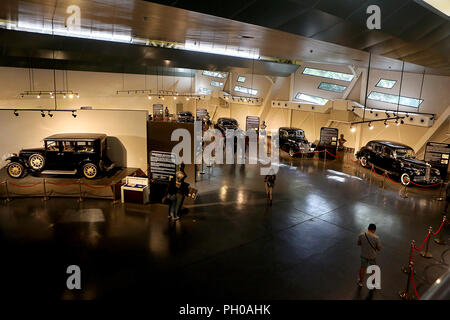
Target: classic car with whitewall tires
(399, 160)
(293, 141)
(67, 153)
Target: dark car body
(398, 159)
(294, 142)
(224, 124)
(185, 116)
(77, 152)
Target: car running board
(59, 172)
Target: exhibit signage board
(437, 154)
(328, 137)
(251, 122)
(201, 114)
(162, 165)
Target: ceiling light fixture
(16, 113)
(352, 129)
(73, 114)
(42, 114)
(370, 126)
(50, 114)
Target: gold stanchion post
(406, 269)
(405, 295)
(441, 239)
(79, 184)
(45, 191)
(426, 253)
(7, 191)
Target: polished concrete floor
(229, 243)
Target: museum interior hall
(225, 150)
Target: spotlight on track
(38, 96)
(64, 96)
(386, 124)
(352, 129)
(402, 122)
(71, 96)
(432, 117)
(397, 123)
(149, 97)
(73, 114)
(370, 126)
(78, 96)
(42, 114)
(16, 113)
(371, 110)
(50, 114)
(353, 109)
(387, 115)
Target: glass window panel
(216, 83)
(328, 74)
(241, 79)
(332, 87)
(388, 84)
(391, 98)
(245, 90)
(311, 99)
(215, 74)
(204, 90)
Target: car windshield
(229, 123)
(405, 153)
(296, 133)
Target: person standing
(270, 183)
(370, 245)
(172, 199)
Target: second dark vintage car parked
(226, 123)
(293, 141)
(65, 153)
(398, 159)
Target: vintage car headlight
(418, 172)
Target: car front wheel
(36, 162)
(90, 170)
(405, 179)
(15, 170)
(364, 162)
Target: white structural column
(436, 125)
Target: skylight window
(387, 84)
(245, 90)
(241, 79)
(204, 90)
(332, 87)
(311, 99)
(391, 98)
(328, 74)
(216, 84)
(215, 74)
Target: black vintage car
(67, 153)
(293, 141)
(226, 123)
(185, 116)
(397, 159)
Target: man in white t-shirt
(370, 244)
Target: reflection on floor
(229, 243)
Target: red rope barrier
(24, 185)
(60, 184)
(426, 185)
(395, 182)
(378, 175)
(424, 241)
(96, 187)
(414, 284)
(439, 230)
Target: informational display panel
(437, 154)
(201, 113)
(158, 111)
(251, 122)
(328, 137)
(162, 165)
